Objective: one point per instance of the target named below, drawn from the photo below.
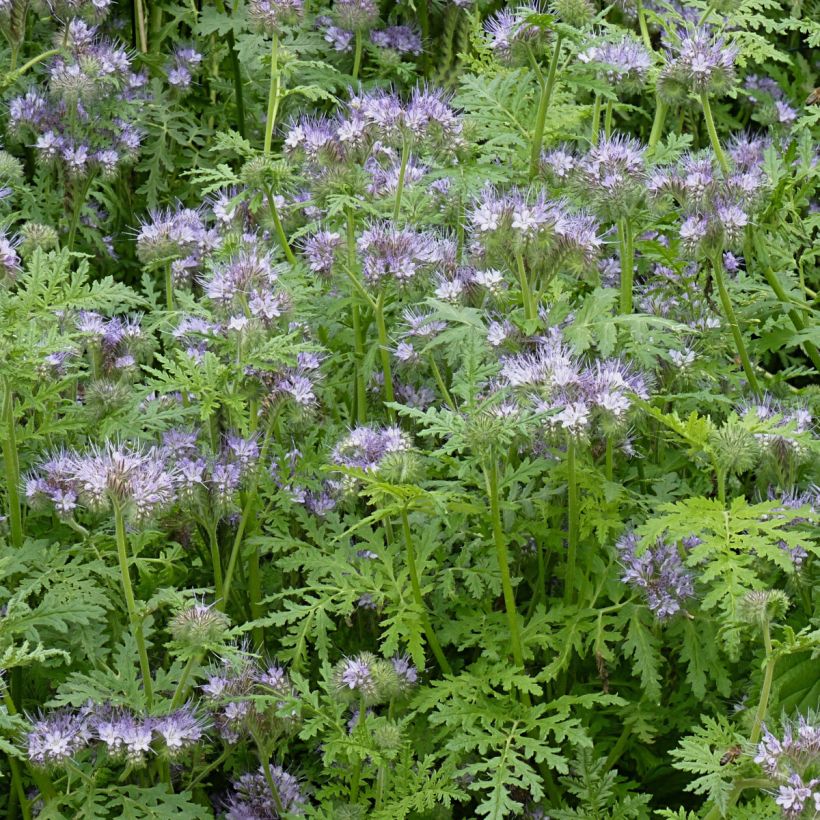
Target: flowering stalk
(543, 107)
(136, 623)
(277, 224)
(572, 522)
(596, 120)
(358, 339)
(357, 56)
(491, 477)
(643, 27)
(12, 466)
(713, 136)
(731, 318)
(405, 155)
(627, 264)
(169, 287)
(657, 124)
(273, 93)
(76, 210)
(216, 559)
(608, 119)
(766, 689)
(141, 28)
(530, 311)
(15, 74)
(384, 354)
(435, 646)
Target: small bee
(731, 755)
(814, 97)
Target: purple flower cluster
(701, 63)
(781, 429)
(84, 121)
(177, 236)
(625, 63)
(389, 252)
(355, 15)
(252, 798)
(658, 572)
(426, 120)
(715, 209)
(789, 761)
(572, 395)
(9, 258)
(365, 448)
(401, 39)
(57, 737)
(272, 16)
(510, 36)
(114, 344)
(138, 481)
(530, 219)
(243, 695)
(184, 63)
(373, 680)
(611, 176)
(769, 99)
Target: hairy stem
(491, 476)
(273, 93)
(133, 617)
(216, 561)
(731, 318)
(384, 354)
(543, 107)
(713, 135)
(357, 56)
(358, 338)
(594, 134)
(572, 521)
(627, 264)
(657, 124)
(432, 640)
(277, 224)
(643, 27)
(405, 156)
(530, 310)
(11, 465)
(766, 689)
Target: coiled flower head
(701, 63)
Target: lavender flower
(365, 448)
(55, 738)
(9, 259)
(401, 254)
(355, 15)
(700, 63)
(252, 798)
(509, 34)
(625, 64)
(401, 39)
(272, 16)
(180, 730)
(658, 571)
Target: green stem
(642, 25)
(608, 119)
(273, 93)
(713, 136)
(527, 300)
(705, 16)
(236, 72)
(405, 156)
(432, 640)
(358, 338)
(182, 686)
(543, 107)
(657, 124)
(441, 385)
(216, 564)
(594, 135)
(277, 224)
(609, 458)
(729, 313)
(76, 210)
(491, 476)
(766, 690)
(11, 464)
(357, 56)
(16, 73)
(424, 24)
(136, 623)
(17, 786)
(627, 264)
(142, 33)
(572, 521)
(384, 353)
(169, 287)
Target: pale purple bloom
(401, 39)
(56, 737)
(625, 63)
(701, 63)
(252, 798)
(180, 730)
(364, 448)
(658, 572)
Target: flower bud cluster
(248, 699)
(370, 680)
(700, 63)
(252, 797)
(624, 64)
